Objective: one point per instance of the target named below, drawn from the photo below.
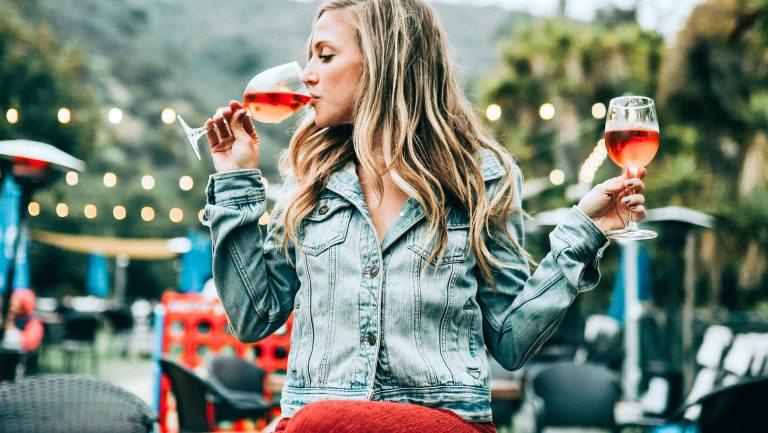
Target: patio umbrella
(196, 264)
(97, 276)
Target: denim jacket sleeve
(524, 309)
(255, 281)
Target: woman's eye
(325, 58)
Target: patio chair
(194, 402)
(65, 403)
(565, 394)
(80, 340)
(742, 408)
(9, 363)
(239, 385)
(201, 405)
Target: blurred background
(103, 81)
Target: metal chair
(742, 407)
(201, 404)
(66, 403)
(80, 339)
(9, 363)
(564, 394)
(194, 402)
(240, 387)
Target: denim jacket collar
(346, 184)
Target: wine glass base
(632, 235)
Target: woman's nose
(308, 77)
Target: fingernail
(625, 200)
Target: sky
(666, 16)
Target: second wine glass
(270, 97)
(632, 140)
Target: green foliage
(39, 75)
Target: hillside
(192, 56)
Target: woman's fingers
(638, 212)
(634, 200)
(222, 128)
(210, 132)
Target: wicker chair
(71, 403)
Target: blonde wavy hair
(430, 136)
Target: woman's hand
(233, 139)
(609, 203)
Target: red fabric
(32, 335)
(337, 416)
(26, 300)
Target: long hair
(430, 136)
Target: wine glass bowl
(632, 141)
(271, 96)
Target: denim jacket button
(370, 338)
(374, 271)
(323, 210)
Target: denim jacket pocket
(325, 226)
(456, 247)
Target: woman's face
(335, 69)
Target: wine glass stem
(631, 224)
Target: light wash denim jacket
(370, 321)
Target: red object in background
(29, 168)
(195, 327)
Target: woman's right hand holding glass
(233, 139)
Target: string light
(200, 215)
(547, 111)
(33, 208)
(119, 212)
(110, 179)
(12, 115)
(598, 110)
(176, 215)
(64, 115)
(168, 116)
(186, 183)
(557, 177)
(115, 115)
(493, 112)
(147, 182)
(90, 211)
(147, 213)
(593, 162)
(62, 210)
(72, 178)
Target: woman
(398, 244)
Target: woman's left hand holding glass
(609, 203)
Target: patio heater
(32, 164)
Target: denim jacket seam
(247, 281)
(251, 196)
(546, 331)
(548, 283)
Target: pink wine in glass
(632, 149)
(273, 107)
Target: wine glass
(632, 140)
(270, 97)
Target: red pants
(351, 416)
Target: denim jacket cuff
(587, 243)
(235, 188)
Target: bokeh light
(64, 115)
(493, 112)
(72, 178)
(110, 179)
(547, 111)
